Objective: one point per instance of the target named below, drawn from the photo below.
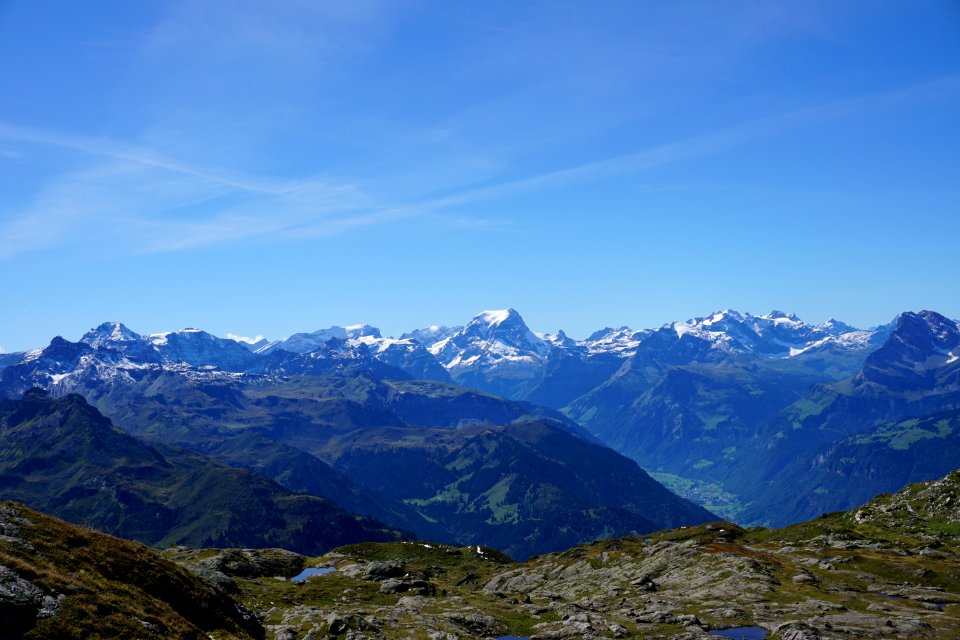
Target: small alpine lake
(311, 571)
(741, 633)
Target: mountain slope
(525, 488)
(10, 358)
(691, 400)
(892, 423)
(377, 432)
(66, 582)
(851, 470)
(62, 456)
(697, 416)
(301, 472)
(775, 341)
(926, 511)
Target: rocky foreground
(889, 569)
(59, 581)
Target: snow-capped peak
(779, 315)
(109, 333)
(559, 339)
(729, 319)
(500, 322)
(835, 327)
(774, 334)
(491, 338)
(779, 318)
(431, 334)
(505, 327)
(307, 342)
(719, 316)
(190, 333)
(495, 317)
(623, 341)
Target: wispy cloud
(136, 198)
(121, 152)
(709, 143)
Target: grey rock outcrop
(22, 603)
(254, 563)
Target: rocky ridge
(859, 574)
(62, 581)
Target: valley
(730, 407)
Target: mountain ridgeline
(63, 457)
(480, 433)
(442, 461)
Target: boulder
(380, 571)
(255, 563)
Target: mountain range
(495, 352)
(442, 461)
(764, 418)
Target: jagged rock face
(334, 358)
(775, 334)
(199, 349)
(187, 346)
(495, 352)
(623, 340)
(22, 603)
(114, 335)
(923, 350)
(44, 368)
(430, 335)
(408, 356)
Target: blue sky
(272, 167)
